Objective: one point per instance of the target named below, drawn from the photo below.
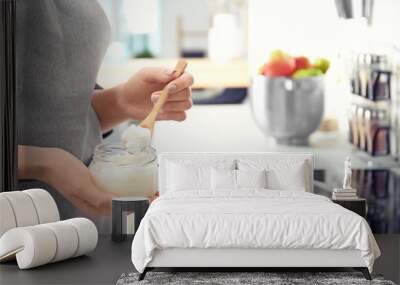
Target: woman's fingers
(104, 203)
(156, 75)
(182, 82)
(164, 75)
(179, 98)
(155, 196)
(84, 206)
(182, 95)
(95, 198)
(177, 106)
(174, 116)
(100, 207)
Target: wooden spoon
(149, 121)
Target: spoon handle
(149, 121)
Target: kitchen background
(226, 41)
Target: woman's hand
(154, 197)
(140, 92)
(68, 175)
(135, 98)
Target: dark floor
(106, 264)
(389, 262)
(102, 266)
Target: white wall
(386, 20)
(119, 28)
(300, 27)
(312, 28)
(195, 16)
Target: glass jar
(125, 173)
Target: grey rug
(269, 278)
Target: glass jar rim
(103, 153)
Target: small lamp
(141, 19)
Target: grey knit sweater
(60, 46)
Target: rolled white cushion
(7, 218)
(67, 240)
(45, 205)
(87, 235)
(34, 245)
(40, 244)
(23, 208)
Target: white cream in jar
(136, 138)
(127, 169)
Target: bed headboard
(236, 159)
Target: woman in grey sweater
(61, 117)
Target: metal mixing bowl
(288, 109)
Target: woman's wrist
(109, 107)
(124, 94)
(120, 101)
(34, 162)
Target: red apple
(302, 62)
(284, 66)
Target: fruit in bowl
(288, 97)
(279, 64)
(282, 67)
(307, 72)
(302, 62)
(283, 64)
(322, 64)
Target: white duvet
(250, 219)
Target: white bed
(201, 220)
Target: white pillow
(193, 174)
(282, 174)
(238, 179)
(223, 179)
(181, 177)
(251, 178)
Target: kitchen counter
(231, 128)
